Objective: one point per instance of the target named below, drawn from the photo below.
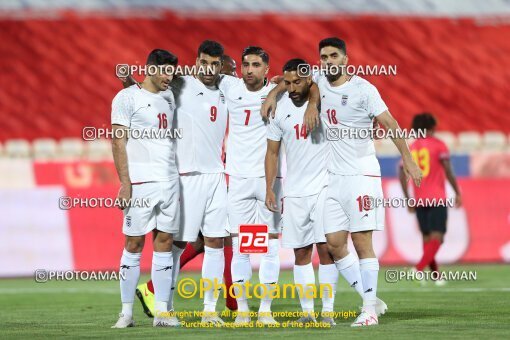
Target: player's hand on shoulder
(311, 118)
(276, 79)
(268, 107)
(124, 195)
(271, 201)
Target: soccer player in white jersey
(145, 291)
(304, 191)
(352, 103)
(247, 188)
(147, 170)
(203, 120)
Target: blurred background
(57, 63)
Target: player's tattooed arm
(410, 167)
(269, 105)
(311, 117)
(450, 176)
(121, 163)
(271, 168)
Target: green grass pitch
(77, 309)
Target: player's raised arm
(271, 168)
(450, 176)
(410, 167)
(311, 117)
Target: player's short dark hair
(226, 57)
(334, 42)
(211, 47)
(255, 50)
(424, 121)
(161, 57)
(293, 65)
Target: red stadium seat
(59, 75)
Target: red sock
(227, 274)
(150, 287)
(429, 253)
(433, 266)
(188, 254)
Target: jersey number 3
(422, 158)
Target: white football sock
(349, 269)
(161, 275)
(176, 256)
(268, 273)
(241, 274)
(369, 270)
(328, 277)
(212, 270)
(130, 273)
(127, 308)
(304, 276)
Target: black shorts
(432, 219)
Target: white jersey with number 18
(347, 110)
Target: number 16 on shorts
(253, 238)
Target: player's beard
(333, 77)
(208, 81)
(300, 99)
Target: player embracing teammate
(329, 195)
(351, 103)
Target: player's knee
(303, 256)
(134, 245)
(337, 249)
(213, 242)
(324, 254)
(228, 241)
(364, 249)
(198, 245)
(274, 236)
(436, 236)
(180, 244)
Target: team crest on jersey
(128, 221)
(222, 98)
(262, 99)
(344, 99)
